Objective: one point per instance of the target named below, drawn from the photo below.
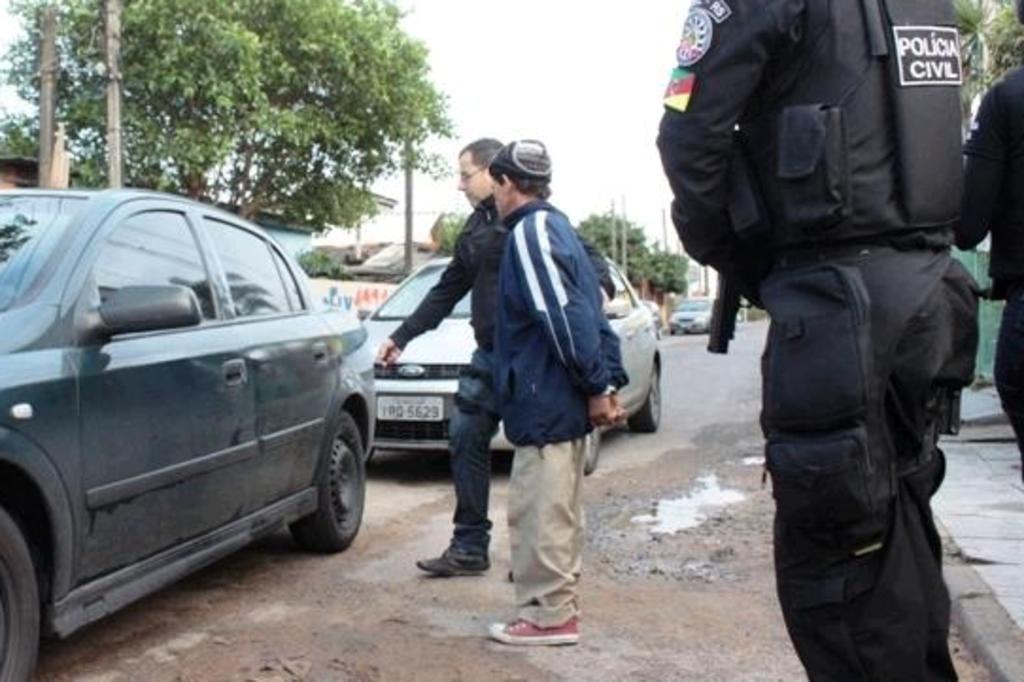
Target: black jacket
(837, 146)
(994, 192)
(474, 267)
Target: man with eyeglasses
(474, 267)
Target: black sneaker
(453, 563)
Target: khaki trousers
(545, 520)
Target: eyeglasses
(466, 177)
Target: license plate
(410, 409)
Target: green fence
(989, 314)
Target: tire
(647, 419)
(591, 452)
(19, 604)
(342, 492)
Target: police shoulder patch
(698, 32)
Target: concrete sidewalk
(981, 508)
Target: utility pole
(47, 93)
(408, 208)
(664, 231)
(114, 147)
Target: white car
(691, 316)
(415, 398)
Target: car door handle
(319, 352)
(234, 372)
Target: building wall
(294, 243)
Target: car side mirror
(616, 309)
(135, 309)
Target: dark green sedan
(169, 391)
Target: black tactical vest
(855, 134)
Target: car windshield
(407, 297)
(30, 229)
(693, 307)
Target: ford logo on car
(411, 371)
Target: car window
(292, 287)
(154, 248)
(411, 293)
(32, 229)
(255, 283)
(693, 306)
(623, 296)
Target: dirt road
(696, 604)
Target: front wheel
(342, 494)
(648, 418)
(591, 452)
(19, 604)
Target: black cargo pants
(858, 346)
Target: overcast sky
(585, 77)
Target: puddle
(690, 510)
(753, 461)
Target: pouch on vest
(925, 74)
(814, 178)
(817, 362)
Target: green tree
(665, 271)
(18, 138)
(604, 231)
(449, 227)
(972, 19)
(668, 272)
(317, 263)
(291, 105)
(1005, 42)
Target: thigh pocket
(820, 480)
(817, 362)
(826, 488)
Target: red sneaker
(524, 633)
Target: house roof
(24, 163)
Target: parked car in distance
(168, 393)
(416, 397)
(690, 316)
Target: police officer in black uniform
(842, 120)
(994, 202)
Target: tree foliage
(992, 43)
(665, 271)
(18, 138)
(971, 18)
(290, 105)
(316, 263)
(449, 227)
(1005, 42)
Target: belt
(802, 257)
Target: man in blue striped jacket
(557, 368)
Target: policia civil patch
(928, 55)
